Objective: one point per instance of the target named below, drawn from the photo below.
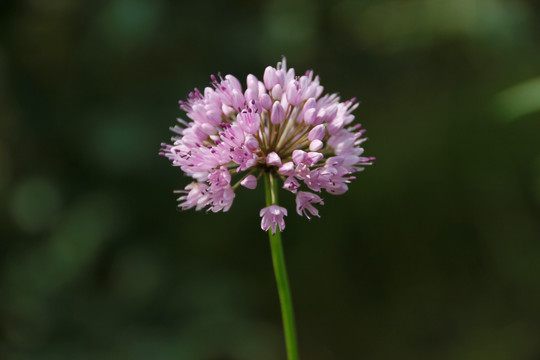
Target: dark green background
(434, 253)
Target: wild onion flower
(282, 129)
(281, 126)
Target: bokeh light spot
(519, 100)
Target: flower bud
(317, 133)
(298, 156)
(287, 168)
(250, 95)
(249, 182)
(251, 143)
(270, 78)
(316, 145)
(278, 113)
(253, 84)
(273, 159)
(294, 93)
(266, 101)
(310, 116)
(313, 157)
(277, 92)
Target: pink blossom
(249, 121)
(304, 201)
(194, 196)
(282, 126)
(291, 184)
(272, 216)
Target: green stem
(280, 272)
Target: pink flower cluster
(281, 126)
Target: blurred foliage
(432, 254)
(519, 100)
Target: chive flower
(282, 126)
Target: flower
(272, 216)
(282, 126)
(304, 201)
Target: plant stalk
(280, 271)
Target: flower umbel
(282, 126)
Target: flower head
(282, 126)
